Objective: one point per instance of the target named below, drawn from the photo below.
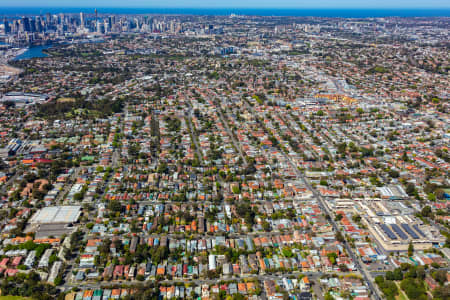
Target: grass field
(62, 100)
(14, 298)
(401, 295)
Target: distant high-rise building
(110, 24)
(16, 26)
(82, 19)
(106, 26)
(39, 27)
(26, 24)
(100, 27)
(33, 25)
(61, 18)
(6, 26)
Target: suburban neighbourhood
(224, 157)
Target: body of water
(37, 51)
(331, 13)
(32, 52)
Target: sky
(407, 4)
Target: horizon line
(225, 7)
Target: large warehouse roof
(56, 214)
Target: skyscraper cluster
(86, 23)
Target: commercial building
(56, 214)
(54, 221)
(394, 226)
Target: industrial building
(394, 226)
(21, 99)
(54, 221)
(56, 215)
(393, 192)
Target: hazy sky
(232, 3)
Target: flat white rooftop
(56, 214)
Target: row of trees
(412, 282)
(29, 285)
(58, 109)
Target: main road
(193, 136)
(230, 133)
(10, 181)
(324, 207)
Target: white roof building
(56, 214)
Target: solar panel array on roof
(416, 227)
(409, 231)
(399, 232)
(388, 231)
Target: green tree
(287, 252)
(356, 218)
(332, 257)
(426, 211)
(339, 237)
(410, 249)
(413, 288)
(420, 272)
(394, 173)
(338, 217)
(398, 274)
(440, 276)
(343, 268)
(58, 280)
(328, 296)
(390, 275)
(442, 293)
(115, 206)
(410, 188)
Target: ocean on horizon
(297, 12)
